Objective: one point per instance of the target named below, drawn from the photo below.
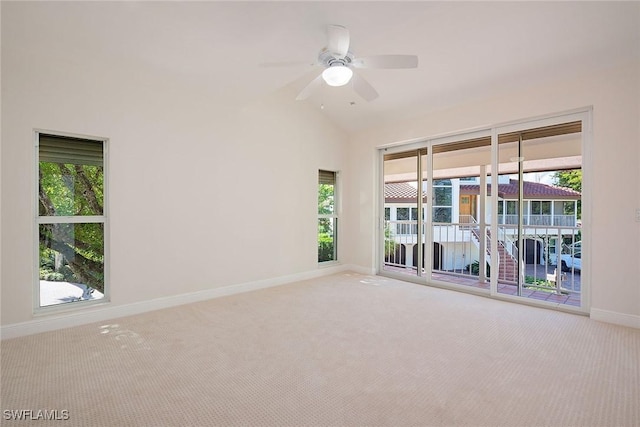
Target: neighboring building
(544, 205)
(550, 213)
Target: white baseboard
(103, 312)
(616, 318)
(361, 270)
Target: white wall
(203, 193)
(614, 174)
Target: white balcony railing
(539, 220)
(456, 248)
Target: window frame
(442, 184)
(76, 219)
(578, 121)
(403, 209)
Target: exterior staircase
(507, 263)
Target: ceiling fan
(338, 62)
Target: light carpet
(342, 350)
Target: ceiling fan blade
(363, 88)
(386, 61)
(338, 44)
(310, 88)
(284, 64)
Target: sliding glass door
(497, 211)
(459, 221)
(403, 213)
(539, 211)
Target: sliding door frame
(584, 115)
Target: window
(402, 214)
(71, 220)
(540, 208)
(511, 214)
(512, 207)
(327, 217)
(406, 217)
(442, 200)
(414, 214)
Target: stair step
(508, 265)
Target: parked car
(571, 262)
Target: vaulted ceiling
(242, 51)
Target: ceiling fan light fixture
(337, 75)
(338, 61)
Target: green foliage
(326, 226)
(474, 268)
(71, 190)
(569, 179)
(390, 244)
(78, 248)
(326, 199)
(48, 270)
(325, 247)
(51, 276)
(530, 280)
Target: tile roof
(531, 190)
(402, 192)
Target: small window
(414, 214)
(327, 217)
(402, 214)
(442, 201)
(569, 207)
(71, 220)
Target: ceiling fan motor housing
(338, 63)
(327, 59)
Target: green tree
(326, 206)
(72, 251)
(569, 179)
(325, 199)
